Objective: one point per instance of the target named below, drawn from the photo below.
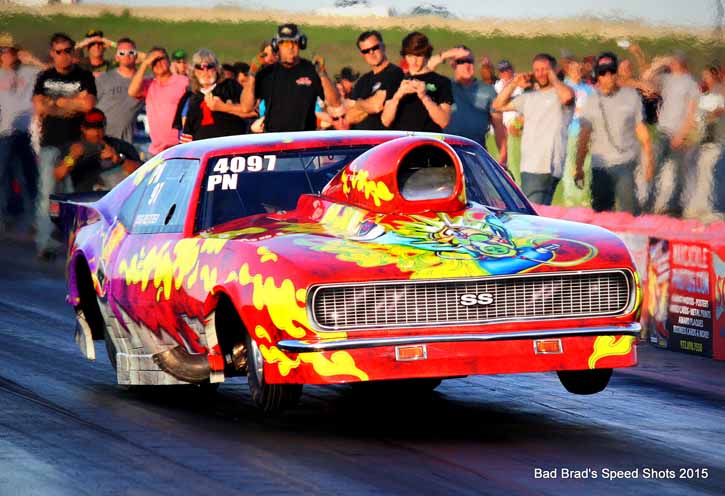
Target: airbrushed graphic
(191, 304)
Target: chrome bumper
(297, 346)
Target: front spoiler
(298, 346)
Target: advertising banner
(690, 310)
(656, 302)
(718, 262)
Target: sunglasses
(606, 70)
(464, 61)
(96, 43)
(123, 53)
(202, 67)
(338, 117)
(7, 50)
(67, 51)
(373, 48)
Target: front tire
(270, 398)
(585, 381)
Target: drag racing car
(341, 257)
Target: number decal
(222, 166)
(226, 170)
(237, 164)
(254, 163)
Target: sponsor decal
(470, 299)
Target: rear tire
(585, 381)
(270, 398)
(110, 348)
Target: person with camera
(162, 93)
(424, 98)
(611, 120)
(547, 110)
(96, 161)
(289, 87)
(62, 95)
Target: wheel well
(230, 331)
(88, 300)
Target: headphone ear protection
(301, 41)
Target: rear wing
(66, 210)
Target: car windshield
(239, 185)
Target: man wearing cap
(677, 125)
(179, 64)
(547, 111)
(61, 97)
(96, 161)
(345, 81)
(162, 93)
(512, 122)
(611, 120)
(113, 97)
(17, 162)
(370, 92)
(290, 87)
(96, 45)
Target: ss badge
(469, 299)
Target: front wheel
(270, 398)
(585, 381)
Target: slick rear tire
(585, 381)
(110, 348)
(270, 398)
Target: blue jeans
(17, 163)
(539, 188)
(613, 188)
(682, 171)
(49, 158)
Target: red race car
(326, 258)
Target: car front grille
(439, 303)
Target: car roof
(294, 141)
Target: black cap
(348, 74)
(93, 33)
(288, 32)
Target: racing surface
(67, 429)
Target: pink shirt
(161, 102)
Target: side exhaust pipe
(183, 365)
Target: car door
(146, 268)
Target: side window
(165, 200)
(126, 215)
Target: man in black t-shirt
(291, 86)
(423, 100)
(96, 161)
(374, 88)
(62, 95)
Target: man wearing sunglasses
(375, 87)
(61, 97)
(611, 120)
(471, 112)
(113, 98)
(161, 93)
(291, 86)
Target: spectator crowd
(639, 136)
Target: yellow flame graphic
(359, 180)
(339, 363)
(605, 346)
(266, 255)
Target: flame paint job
(360, 229)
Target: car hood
(339, 243)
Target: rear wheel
(270, 398)
(585, 381)
(110, 348)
